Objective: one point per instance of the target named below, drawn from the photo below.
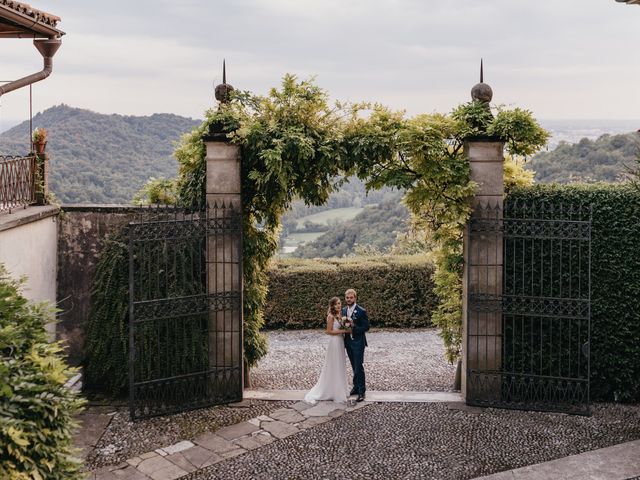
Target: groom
(355, 342)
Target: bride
(332, 384)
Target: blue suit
(355, 344)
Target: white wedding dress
(332, 384)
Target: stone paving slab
(254, 441)
(408, 397)
(234, 453)
(372, 396)
(198, 456)
(236, 431)
(313, 421)
(619, 462)
(300, 406)
(181, 461)
(262, 394)
(215, 443)
(178, 447)
(92, 426)
(171, 472)
(129, 473)
(323, 409)
(151, 465)
(287, 415)
(279, 429)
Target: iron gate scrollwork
(529, 307)
(183, 352)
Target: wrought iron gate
(179, 342)
(529, 307)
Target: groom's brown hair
(351, 290)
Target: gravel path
(124, 439)
(409, 360)
(429, 441)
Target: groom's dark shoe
(360, 397)
(353, 392)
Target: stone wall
(83, 230)
(28, 243)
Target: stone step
(372, 396)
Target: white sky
(559, 58)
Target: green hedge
(395, 291)
(36, 408)
(615, 282)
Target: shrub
(396, 291)
(615, 281)
(36, 408)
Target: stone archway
(224, 185)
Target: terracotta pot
(40, 146)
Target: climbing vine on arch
(296, 144)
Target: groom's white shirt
(350, 310)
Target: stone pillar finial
(481, 92)
(223, 91)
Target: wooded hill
(376, 227)
(97, 158)
(602, 160)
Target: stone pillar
(483, 269)
(224, 263)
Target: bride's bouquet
(345, 323)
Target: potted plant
(39, 137)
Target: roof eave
(28, 23)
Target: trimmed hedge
(615, 281)
(395, 291)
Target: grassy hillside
(100, 158)
(330, 216)
(376, 226)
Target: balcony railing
(18, 179)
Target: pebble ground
(380, 441)
(429, 441)
(408, 360)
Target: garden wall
(395, 291)
(28, 248)
(83, 230)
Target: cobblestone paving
(124, 439)
(429, 441)
(409, 360)
(177, 460)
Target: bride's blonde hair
(332, 306)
